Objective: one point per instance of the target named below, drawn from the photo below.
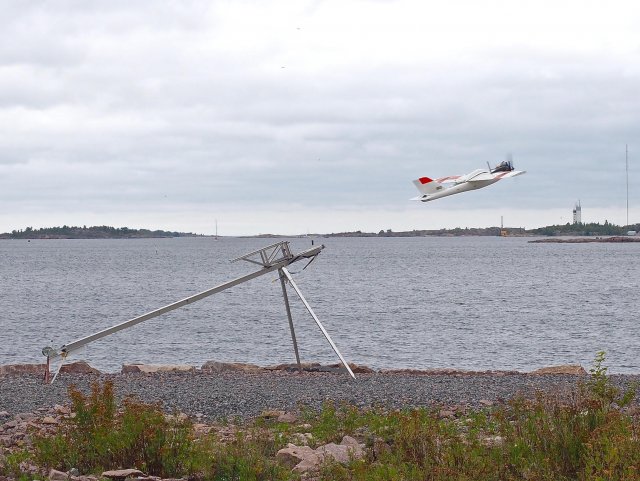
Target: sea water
(476, 303)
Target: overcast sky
(315, 116)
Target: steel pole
(288, 308)
(315, 318)
(72, 346)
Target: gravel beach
(234, 394)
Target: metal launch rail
(275, 257)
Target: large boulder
(355, 368)
(216, 366)
(446, 372)
(79, 367)
(293, 455)
(55, 475)
(18, 369)
(573, 369)
(344, 452)
(155, 368)
(120, 474)
(293, 367)
(304, 459)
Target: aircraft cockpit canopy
(504, 166)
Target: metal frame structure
(275, 257)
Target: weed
(249, 457)
(99, 437)
(587, 436)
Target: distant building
(577, 214)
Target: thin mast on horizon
(626, 156)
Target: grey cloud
(132, 102)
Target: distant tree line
(95, 232)
(456, 232)
(581, 229)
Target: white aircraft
(432, 189)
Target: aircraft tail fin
(427, 186)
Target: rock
(486, 402)
(302, 439)
(358, 369)
(215, 366)
(29, 468)
(58, 476)
(292, 367)
(4, 414)
(348, 449)
(380, 448)
(227, 434)
(79, 367)
(49, 420)
(59, 409)
(293, 455)
(446, 372)
(176, 418)
(304, 459)
(312, 463)
(122, 474)
(446, 413)
(493, 441)
(154, 368)
(271, 414)
(573, 369)
(287, 418)
(337, 452)
(352, 443)
(19, 369)
(339, 368)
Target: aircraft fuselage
(431, 189)
(456, 189)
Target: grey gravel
(228, 395)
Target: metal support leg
(47, 372)
(315, 318)
(286, 304)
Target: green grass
(591, 436)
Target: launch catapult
(275, 257)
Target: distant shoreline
(586, 240)
(95, 232)
(106, 232)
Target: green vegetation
(95, 232)
(591, 435)
(99, 437)
(592, 229)
(580, 229)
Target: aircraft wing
(513, 173)
(482, 177)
